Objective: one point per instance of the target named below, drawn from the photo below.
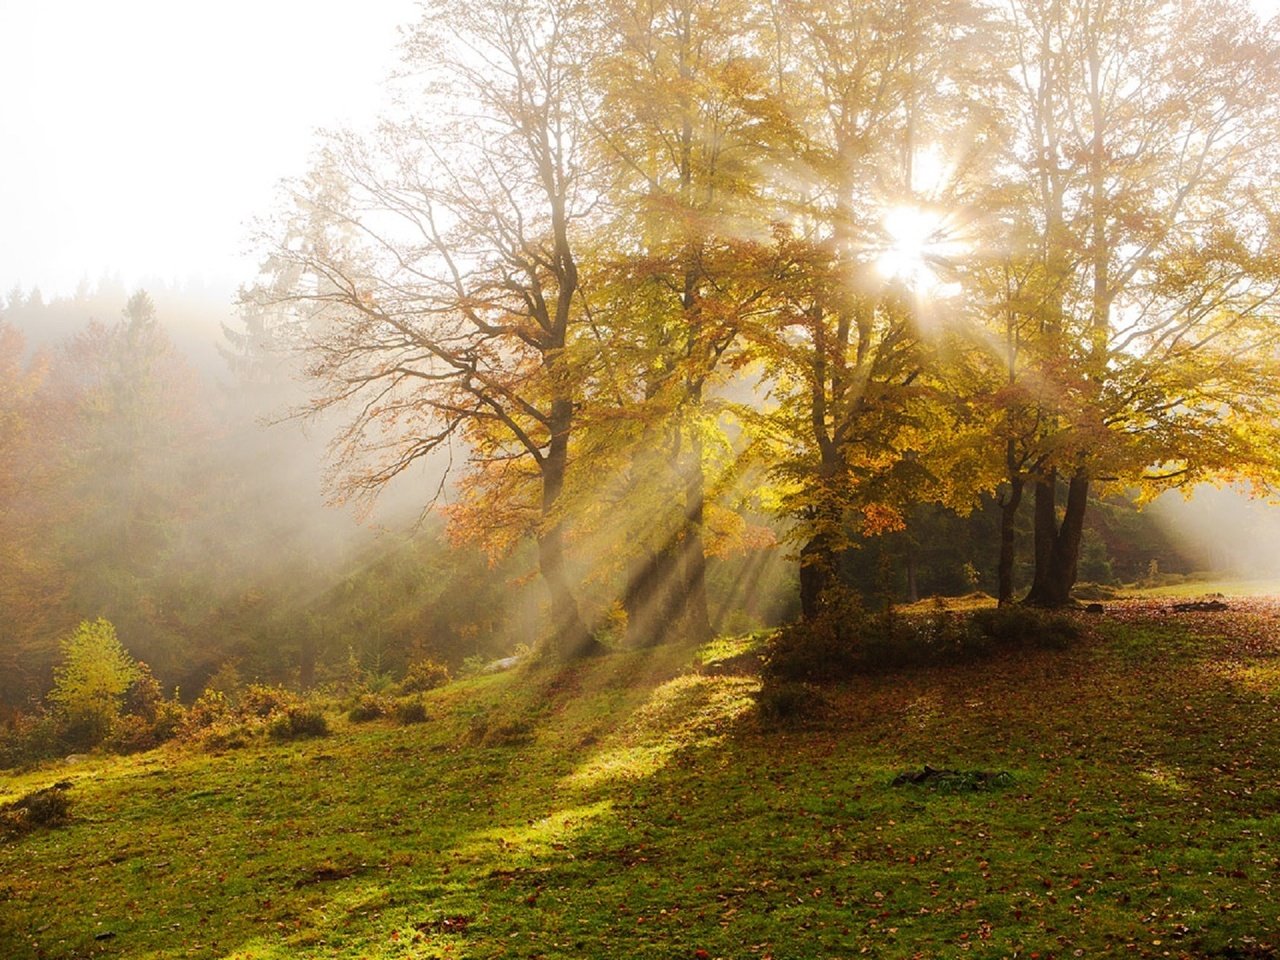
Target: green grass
(633, 806)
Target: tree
(30, 580)
(435, 271)
(127, 421)
(1143, 134)
(683, 123)
(90, 684)
(851, 349)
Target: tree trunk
(817, 575)
(913, 589)
(1008, 516)
(1058, 545)
(696, 620)
(650, 599)
(570, 636)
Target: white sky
(141, 136)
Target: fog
(169, 457)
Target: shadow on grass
(646, 814)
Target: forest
(775, 306)
(664, 409)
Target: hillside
(637, 806)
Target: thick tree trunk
(1008, 517)
(817, 575)
(570, 636)
(1058, 545)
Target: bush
(262, 701)
(29, 738)
(215, 724)
(1019, 626)
(91, 682)
(835, 647)
(212, 707)
(43, 808)
(424, 675)
(821, 650)
(368, 707)
(411, 711)
(299, 720)
(130, 734)
(227, 734)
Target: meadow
(640, 805)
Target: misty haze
(703, 478)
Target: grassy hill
(637, 806)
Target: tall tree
(435, 267)
(683, 120)
(128, 420)
(868, 86)
(1145, 129)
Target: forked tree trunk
(1057, 544)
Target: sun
(918, 243)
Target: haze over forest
(637, 331)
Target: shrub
(834, 647)
(411, 711)
(424, 675)
(28, 738)
(227, 734)
(824, 649)
(262, 701)
(210, 708)
(43, 808)
(91, 682)
(299, 720)
(1019, 626)
(144, 696)
(368, 707)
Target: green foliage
(91, 682)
